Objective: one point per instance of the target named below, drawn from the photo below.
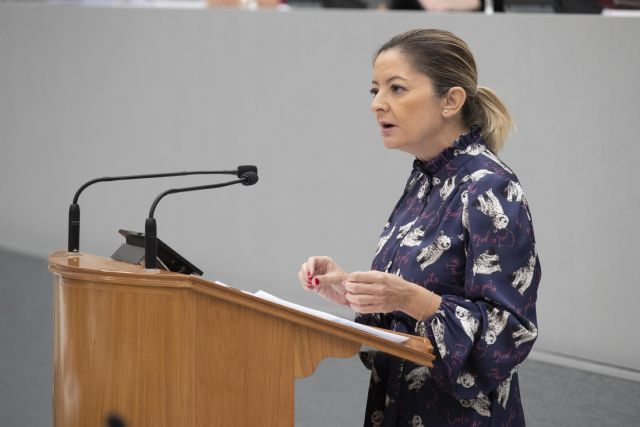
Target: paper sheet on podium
(330, 317)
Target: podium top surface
(64, 262)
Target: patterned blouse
(461, 229)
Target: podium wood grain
(165, 349)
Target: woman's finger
(311, 266)
(357, 288)
(330, 278)
(302, 279)
(306, 276)
(366, 276)
(362, 300)
(363, 288)
(306, 281)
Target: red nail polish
(308, 274)
(317, 281)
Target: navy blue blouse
(461, 229)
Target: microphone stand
(150, 227)
(73, 243)
(248, 177)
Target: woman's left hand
(377, 292)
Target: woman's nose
(378, 103)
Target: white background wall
(95, 92)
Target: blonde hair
(447, 61)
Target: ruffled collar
(432, 166)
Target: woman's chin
(390, 143)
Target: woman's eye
(396, 89)
(373, 91)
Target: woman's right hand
(320, 274)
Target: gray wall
(94, 92)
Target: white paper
(217, 282)
(390, 336)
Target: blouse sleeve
(482, 336)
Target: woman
(456, 262)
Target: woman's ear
(453, 101)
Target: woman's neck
(445, 139)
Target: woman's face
(407, 109)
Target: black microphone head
(74, 228)
(115, 421)
(246, 168)
(249, 178)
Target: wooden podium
(167, 349)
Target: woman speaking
(456, 262)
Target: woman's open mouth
(386, 128)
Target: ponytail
(493, 117)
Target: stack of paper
(330, 317)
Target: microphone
(114, 420)
(73, 242)
(249, 178)
(249, 173)
(246, 177)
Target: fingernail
(317, 281)
(308, 274)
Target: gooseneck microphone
(248, 175)
(73, 243)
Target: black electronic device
(132, 251)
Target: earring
(446, 111)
